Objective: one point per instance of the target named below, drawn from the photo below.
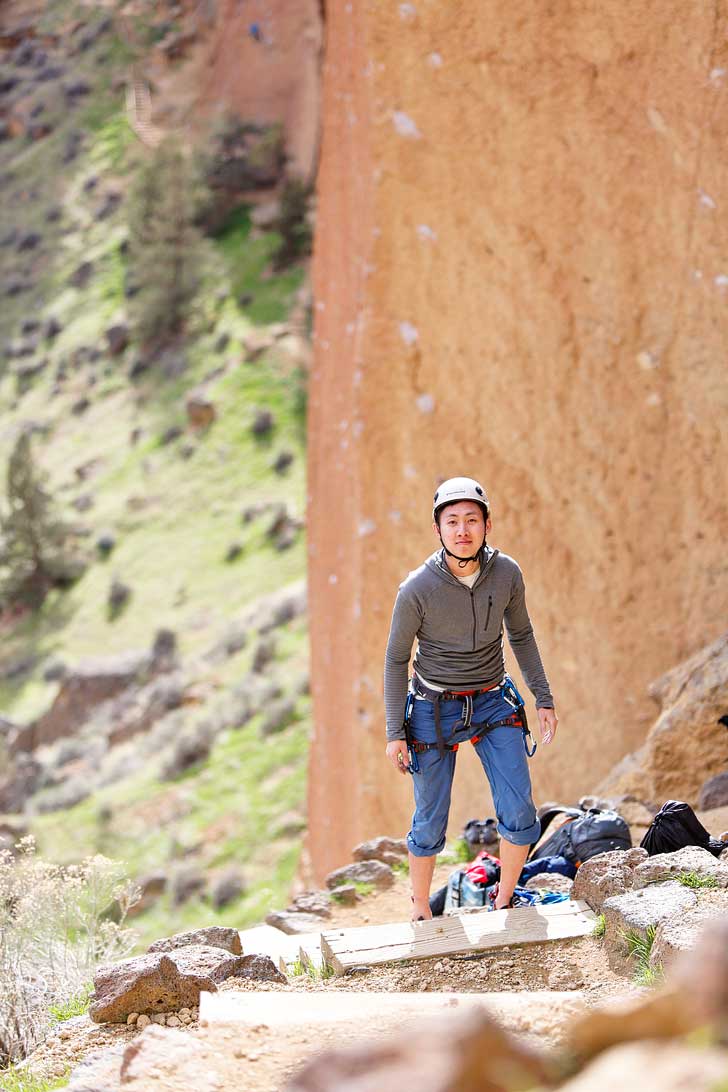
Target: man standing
(455, 605)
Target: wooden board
(454, 934)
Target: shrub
(165, 246)
(53, 935)
(293, 224)
(34, 554)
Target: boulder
(373, 872)
(201, 411)
(293, 922)
(313, 902)
(277, 716)
(550, 881)
(464, 1051)
(690, 859)
(702, 975)
(606, 875)
(688, 744)
(117, 338)
(632, 914)
(81, 275)
(214, 936)
(262, 423)
(187, 880)
(282, 461)
(681, 934)
(374, 849)
(227, 887)
(159, 982)
(714, 792)
(346, 894)
(652, 1066)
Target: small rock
(263, 423)
(117, 338)
(293, 922)
(346, 894)
(282, 462)
(81, 275)
(565, 977)
(373, 849)
(201, 411)
(313, 902)
(143, 1021)
(174, 1021)
(374, 872)
(132, 1018)
(159, 1018)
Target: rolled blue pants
(503, 756)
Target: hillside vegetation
(189, 516)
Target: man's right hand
(397, 754)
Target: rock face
(466, 244)
(689, 741)
(272, 78)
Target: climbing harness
(510, 694)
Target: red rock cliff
(522, 274)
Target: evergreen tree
(165, 247)
(33, 539)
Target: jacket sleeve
(406, 621)
(523, 642)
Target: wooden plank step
(454, 934)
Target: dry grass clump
(57, 924)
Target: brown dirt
(554, 239)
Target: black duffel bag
(584, 836)
(675, 826)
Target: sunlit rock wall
(522, 274)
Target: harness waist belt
(448, 695)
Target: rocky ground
(271, 1028)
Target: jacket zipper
(487, 617)
(472, 604)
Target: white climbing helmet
(460, 489)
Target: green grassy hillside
(121, 457)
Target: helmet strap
(463, 561)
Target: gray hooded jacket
(459, 631)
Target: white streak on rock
(435, 59)
(706, 199)
(425, 403)
(366, 527)
(425, 232)
(408, 333)
(647, 360)
(407, 12)
(405, 126)
(653, 399)
(721, 281)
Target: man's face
(463, 528)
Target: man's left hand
(548, 723)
